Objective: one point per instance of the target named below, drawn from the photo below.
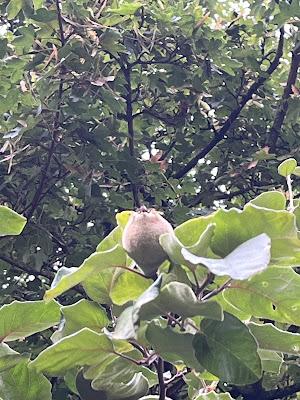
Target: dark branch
(23, 267)
(129, 118)
(283, 104)
(236, 112)
(218, 290)
(55, 135)
(160, 374)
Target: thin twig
(55, 137)
(208, 280)
(23, 267)
(218, 290)
(137, 362)
(283, 105)
(291, 194)
(131, 270)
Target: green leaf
(21, 319)
(178, 298)
(23, 383)
(135, 285)
(44, 15)
(246, 260)
(271, 361)
(82, 314)
(273, 294)
(11, 223)
(79, 349)
(95, 263)
(126, 8)
(173, 247)
(111, 240)
(190, 231)
(173, 346)
(273, 200)
(13, 8)
(10, 358)
(296, 171)
(269, 337)
(287, 167)
(120, 379)
(234, 227)
(228, 350)
(174, 297)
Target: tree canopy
(190, 107)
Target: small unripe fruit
(141, 239)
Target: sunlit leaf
(269, 337)
(246, 260)
(11, 223)
(287, 167)
(24, 383)
(21, 319)
(273, 294)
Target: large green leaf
(172, 346)
(11, 223)
(135, 285)
(120, 378)
(21, 319)
(23, 383)
(13, 8)
(173, 247)
(234, 227)
(95, 263)
(9, 358)
(174, 297)
(110, 240)
(246, 260)
(271, 338)
(178, 298)
(82, 348)
(228, 350)
(273, 294)
(274, 200)
(114, 386)
(82, 314)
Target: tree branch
(160, 374)
(55, 136)
(218, 290)
(25, 268)
(282, 107)
(129, 118)
(236, 112)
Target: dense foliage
(189, 106)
